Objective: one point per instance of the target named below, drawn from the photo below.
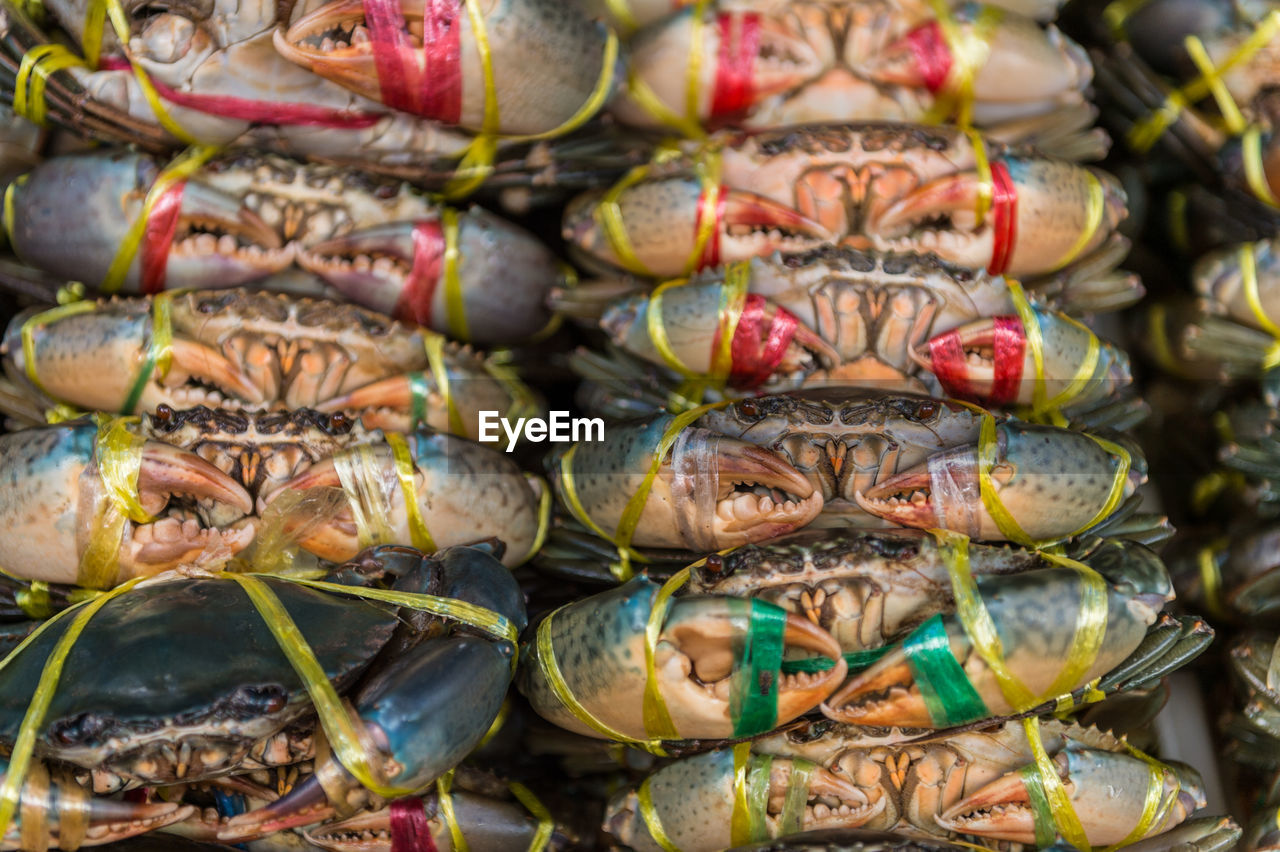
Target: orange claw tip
(883, 695)
(906, 499)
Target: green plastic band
(758, 773)
(418, 392)
(753, 696)
(855, 660)
(792, 819)
(948, 695)
(1046, 828)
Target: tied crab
(297, 79)
(888, 187)
(265, 220)
(423, 692)
(189, 512)
(964, 785)
(847, 317)
(238, 349)
(767, 65)
(766, 466)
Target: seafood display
(639, 426)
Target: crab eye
(748, 408)
(249, 702)
(926, 409)
(163, 415)
(340, 423)
(85, 729)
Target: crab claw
(1052, 482)
(661, 219)
(52, 493)
(465, 492)
(486, 823)
(767, 340)
(710, 492)
(989, 361)
(504, 274)
(423, 716)
(695, 662)
(888, 693)
(693, 802)
(1108, 791)
(1039, 218)
(78, 360)
(216, 242)
(338, 42)
(767, 58)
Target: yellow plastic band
(651, 819)
(444, 798)
(184, 166)
(28, 92)
(986, 184)
(1064, 814)
(1212, 77)
(544, 515)
(34, 601)
(1249, 285)
(657, 328)
(504, 712)
(1096, 207)
(1145, 133)
(657, 718)
(33, 720)
(742, 823)
(546, 825)
(550, 667)
(367, 495)
(1156, 806)
(524, 402)
(969, 52)
(1041, 403)
(419, 534)
(707, 169)
(1124, 462)
(621, 12)
(159, 355)
(1118, 12)
(1211, 578)
(455, 304)
(9, 215)
(454, 609)
(433, 344)
(120, 23)
(1254, 172)
(569, 490)
(118, 453)
(95, 20)
(335, 720)
(40, 321)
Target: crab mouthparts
(832, 802)
(905, 499)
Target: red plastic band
(442, 60)
(1003, 217)
(417, 297)
(933, 56)
(258, 112)
(948, 362)
(410, 831)
(157, 238)
(754, 362)
(735, 85)
(393, 55)
(1008, 349)
(711, 251)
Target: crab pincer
(597, 646)
(52, 497)
(1052, 483)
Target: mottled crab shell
(176, 681)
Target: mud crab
(190, 512)
(888, 187)
(772, 64)
(770, 465)
(252, 84)
(407, 682)
(836, 316)
(237, 349)
(967, 784)
(247, 218)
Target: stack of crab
(859, 551)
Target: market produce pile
(638, 424)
